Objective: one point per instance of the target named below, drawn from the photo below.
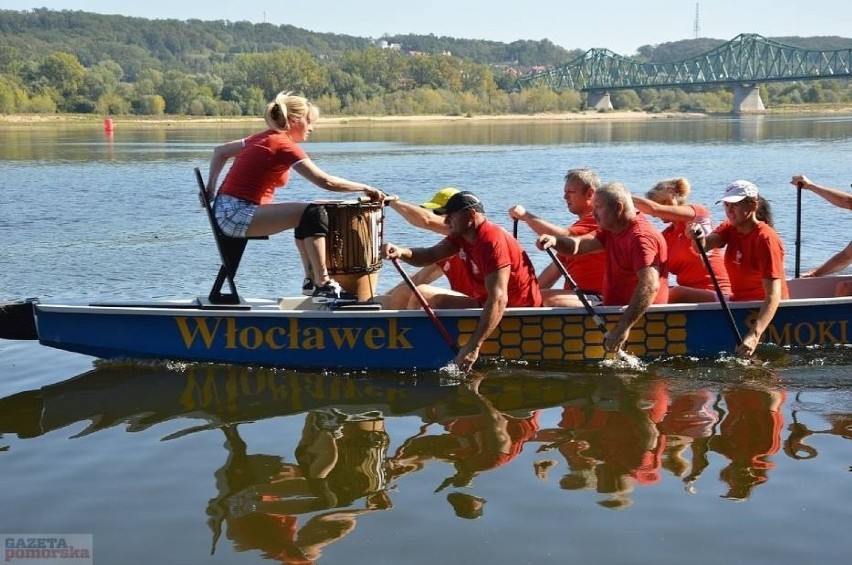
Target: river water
(174, 463)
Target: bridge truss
(746, 59)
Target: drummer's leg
(306, 262)
(310, 234)
(308, 285)
(315, 251)
(273, 218)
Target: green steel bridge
(742, 62)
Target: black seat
(230, 252)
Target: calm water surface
(686, 461)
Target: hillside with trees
(80, 62)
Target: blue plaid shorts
(233, 214)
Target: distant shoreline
(180, 121)
(42, 120)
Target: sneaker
(308, 287)
(331, 292)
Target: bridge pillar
(599, 100)
(747, 99)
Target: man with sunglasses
(501, 270)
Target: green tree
(151, 105)
(178, 90)
(13, 97)
(148, 81)
(63, 75)
(42, 104)
(540, 99)
(288, 70)
(380, 70)
(112, 103)
(626, 100)
(102, 79)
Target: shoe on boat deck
(331, 292)
(308, 287)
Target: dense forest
(80, 62)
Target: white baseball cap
(738, 190)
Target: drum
(353, 245)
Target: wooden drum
(353, 245)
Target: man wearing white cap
(754, 257)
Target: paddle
(515, 229)
(428, 309)
(595, 316)
(800, 185)
(738, 338)
(621, 354)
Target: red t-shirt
(638, 245)
(751, 258)
(262, 166)
(586, 270)
(685, 261)
(456, 272)
(477, 454)
(749, 435)
(492, 250)
(623, 437)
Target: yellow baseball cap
(439, 200)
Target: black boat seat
(230, 252)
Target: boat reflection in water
(613, 433)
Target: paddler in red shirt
(502, 270)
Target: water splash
(624, 360)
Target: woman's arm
(772, 291)
(221, 154)
(840, 261)
(308, 169)
(837, 197)
(677, 213)
(707, 242)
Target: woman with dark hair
(754, 256)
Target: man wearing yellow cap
(400, 297)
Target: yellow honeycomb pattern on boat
(577, 337)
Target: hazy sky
(620, 25)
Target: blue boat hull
(406, 340)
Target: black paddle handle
(734, 329)
(800, 186)
(595, 316)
